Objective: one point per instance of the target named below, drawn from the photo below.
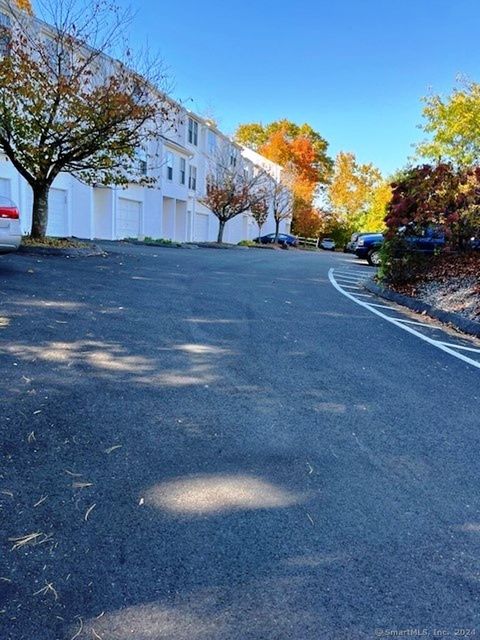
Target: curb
(456, 320)
(141, 243)
(91, 251)
(179, 245)
(223, 246)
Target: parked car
(368, 246)
(349, 247)
(427, 240)
(283, 238)
(474, 244)
(352, 243)
(10, 230)
(328, 244)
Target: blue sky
(354, 69)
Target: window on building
(193, 131)
(233, 157)
(169, 164)
(208, 184)
(183, 170)
(212, 143)
(141, 157)
(192, 178)
(5, 34)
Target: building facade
(178, 160)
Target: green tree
(453, 126)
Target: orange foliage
(298, 156)
(24, 5)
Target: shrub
(439, 196)
(160, 241)
(400, 263)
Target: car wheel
(374, 258)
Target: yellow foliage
(24, 5)
(351, 186)
(375, 217)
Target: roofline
(9, 5)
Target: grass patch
(247, 243)
(55, 243)
(161, 241)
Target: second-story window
(192, 178)
(212, 143)
(169, 164)
(183, 170)
(193, 131)
(141, 158)
(233, 158)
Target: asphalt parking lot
(214, 444)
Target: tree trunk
(277, 229)
(221, 227)
(40, 210)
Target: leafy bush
(438, 196)
(158, 240)
(399, 264)
(429, 199)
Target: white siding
(108, 213)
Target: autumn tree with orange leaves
(302, 152)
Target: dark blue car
(283, 238)
(368, 246)
(417, 240)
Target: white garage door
(128, 218)
(57, 213)
(201, 227)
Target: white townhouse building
(171, 209)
